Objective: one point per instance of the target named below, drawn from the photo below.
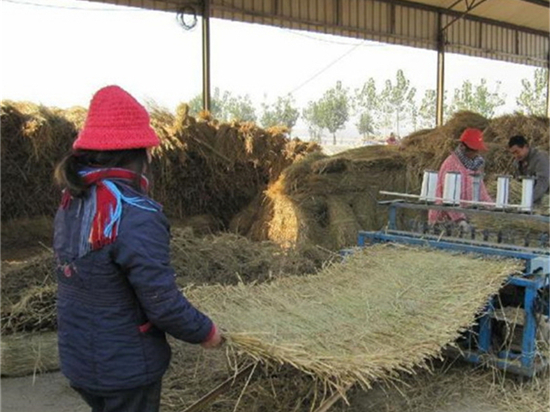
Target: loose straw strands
(385, 310)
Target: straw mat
(386, 309)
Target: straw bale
(21, 236)
(201, 168)
(17, 279)
(382, 311)
(415, 138)
(228, 259)
(462, 120)
(34, 139)
(34, 311)
(283, 228)
(230, 143)
(344, 225)
(535, 129)
(162, 121)
(251, 221)
(29, 353)
(325, 200)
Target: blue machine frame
(533, 280)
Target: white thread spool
(527, 185)
(477, 178)
(429, 185)
(451, 190)
(503, 191)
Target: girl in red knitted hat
(117, 296)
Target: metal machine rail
(402, 204)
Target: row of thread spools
(452, 188)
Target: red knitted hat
(473, 138)
(116, 121)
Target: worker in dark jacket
(117, 295)
(532, 162)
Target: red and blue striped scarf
(103, 206)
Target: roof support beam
(206, 55)
(469, 8)
(440, 90)
(542, 3)
(422, 6)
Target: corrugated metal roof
(510, 30)
(530, 14)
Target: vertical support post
(485, 329)
(440, 72)
(393, 217)
(529, 329)
(548, 87)
(206, 55)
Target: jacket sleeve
(541, 166)
(142, 251)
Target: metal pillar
(548, 88)
(206, 55)
(440, 73)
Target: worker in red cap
(467, 161)
(117, 297)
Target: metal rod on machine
(473, 202)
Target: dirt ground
(50, 392)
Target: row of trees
(395, 107)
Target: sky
(59, 52)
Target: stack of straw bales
(207, 168)
(326, 200)
(34, 139)
(201, 168)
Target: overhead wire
(58, 6)
(328, 66)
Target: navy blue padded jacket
(115, 304)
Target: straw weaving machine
(506, 332)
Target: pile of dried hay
(325, 200)
(29, 289)
(25, 237)
(34, 139)
(28, 295)
(202, 167)
(228, 259)
(384, 310)
(207, 168)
